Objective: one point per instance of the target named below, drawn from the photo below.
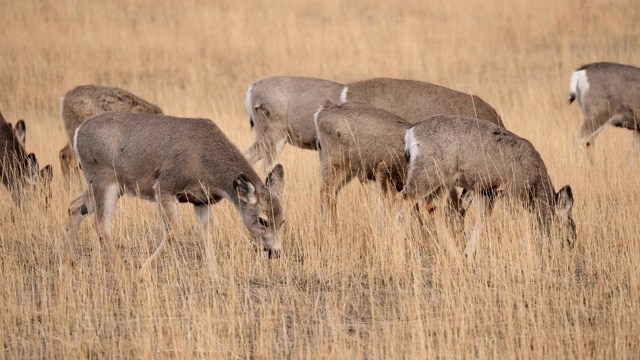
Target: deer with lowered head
(170, 161)
(281, 108)
(447, 150)
(608, 93)
(85, 101)
(20, 171)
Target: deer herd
(422, 144)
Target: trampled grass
(347, 295)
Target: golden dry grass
(352, 295)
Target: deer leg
(105, 201)
(254, 153)
(333, 181)
(484, 206)
(203, 213)
(635, 148)
(69, 165)
(168, 207)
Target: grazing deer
(171, 160)
(608, 93)
(19, 171)
(360, 141)
(281, 108)
(475, 154)
(85, 101)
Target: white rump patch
(410, 144)
(315, 117)
(579, 85)
(410, 147)
(75, 144)
(247, 101)
(343, 94)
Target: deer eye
(263, 222)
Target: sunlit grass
(351, 294)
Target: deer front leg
(484, 206)
(168, 208)
(79, 209)
(105, 200)
(203, 213)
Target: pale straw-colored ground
(346, 295)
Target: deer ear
(261, 108)
(246, 190)
(30, 171)
(564, 201)
(21, 131)
(275, 179)
(46, 174)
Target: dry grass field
(351, 294)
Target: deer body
(172, 160)
(85, 101)
(480, 156)
(608, 93)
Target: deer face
(262, 209)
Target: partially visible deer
(608, 93)
(171, 160)
(474, 154)
(85, 101)
(20, 171)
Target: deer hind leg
(635, 149)
(168, 207)
(484, 206)
(266, 149)
(334, 179)
(69, 165)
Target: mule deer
(171, 160)
(85, 101)
(281, 108)
(19, 170)
(474, 154)
(608, 93)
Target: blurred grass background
(346, 295)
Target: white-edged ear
(246, 190)
(21, 131)
(564, 201)
(275, 179)
(261, 108)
